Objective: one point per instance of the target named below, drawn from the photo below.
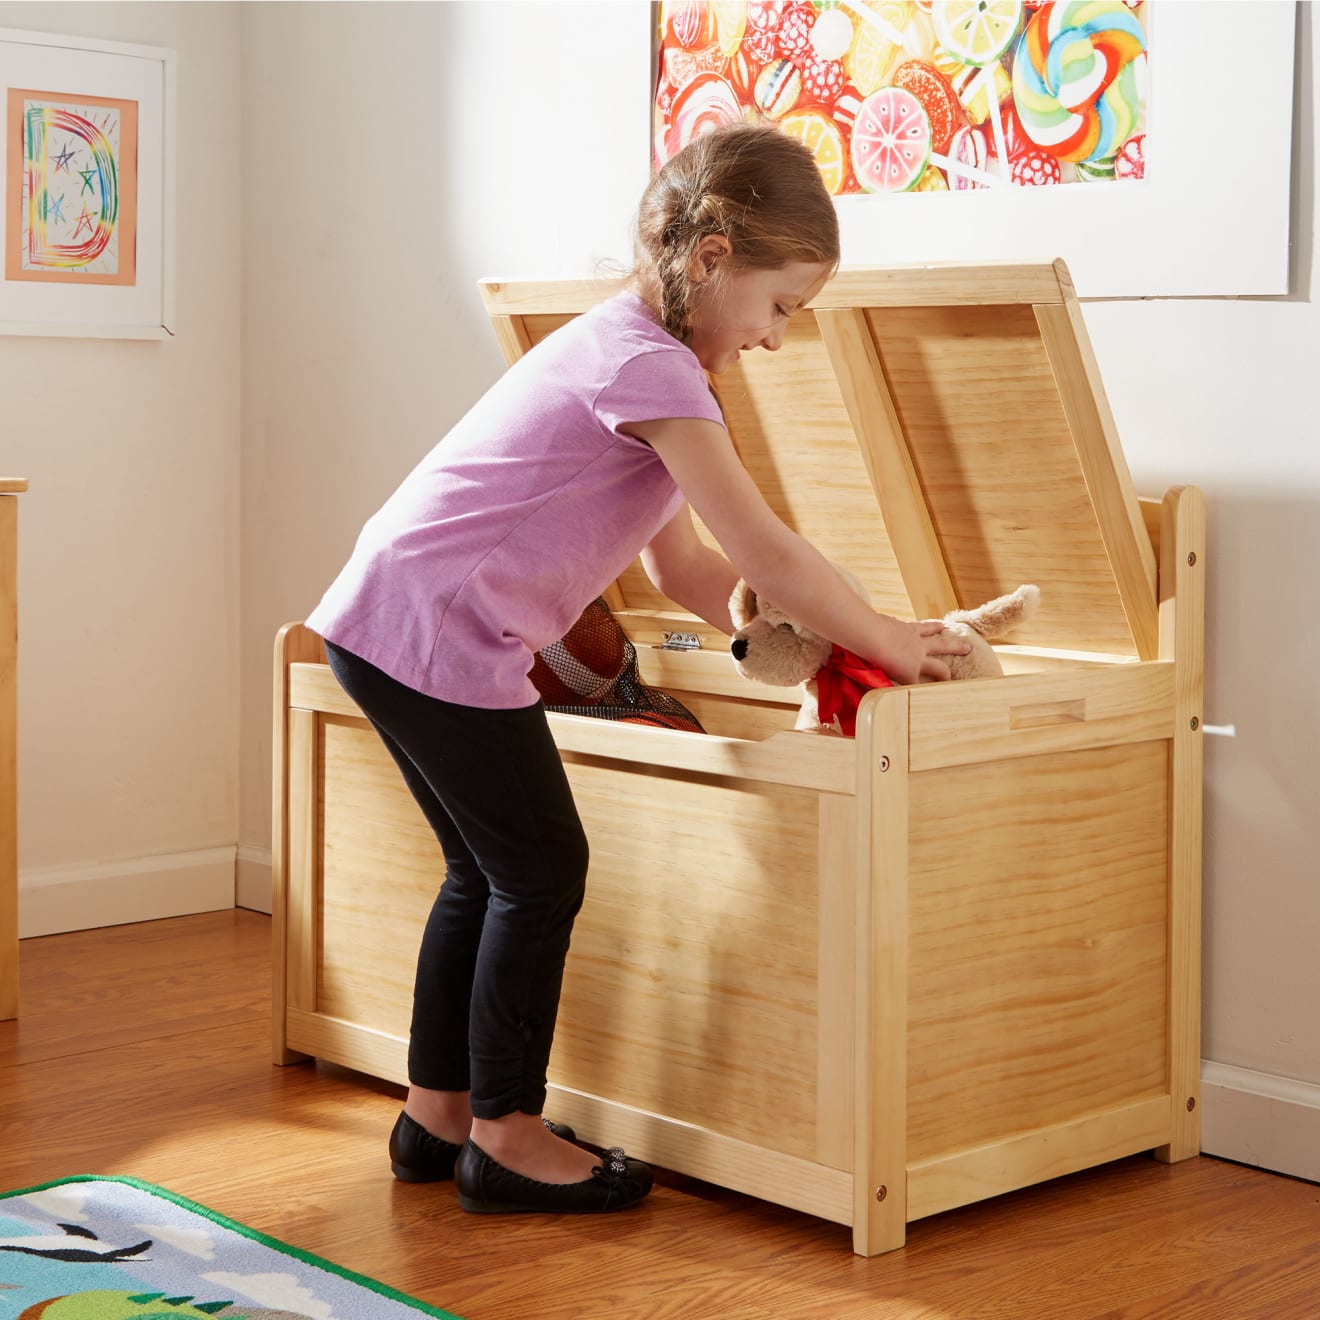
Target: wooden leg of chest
(880, 1081)
(1182, 624)
(8, 758)
(296, 785)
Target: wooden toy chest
(871, 979)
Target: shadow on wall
(1261, 904)
(1302, 217)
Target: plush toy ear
(999, 616)
(742, 604)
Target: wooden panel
(691, 987)
(302, 915)
(312, 686)
(811, 473)
(1037, 943)
(646, 629)
(370, 932)
(1152, 515)
(977, 400)
(728, 717)
(894, 485)
(9, 747)
(1035, 1156)
(512, 336)
(702, 671)
(1182, 629)
(1082, 393)
(1028, 714)
(835, 979)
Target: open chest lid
(943, 432)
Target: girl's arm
(690, 572)
(778, 563)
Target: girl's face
(744, 309)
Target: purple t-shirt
(522, 515)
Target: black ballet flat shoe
(416, 1156)
(488, 1188)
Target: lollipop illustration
(1075, 85)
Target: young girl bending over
(590, 450)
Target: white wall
(128, 542)
(363, 335)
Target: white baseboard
(55, 899)
(253, 884)
(1259, 1119)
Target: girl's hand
(926, 643)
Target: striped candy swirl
(1075, 78)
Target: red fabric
(841, 685)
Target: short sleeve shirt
(522, 515)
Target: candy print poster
(71, 188)
(916, 96)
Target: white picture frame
(112, 73)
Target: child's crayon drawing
(71, 185)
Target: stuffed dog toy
(769, 647)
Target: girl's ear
(707, 255)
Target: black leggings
(491, 965)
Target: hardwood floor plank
(144, 1050)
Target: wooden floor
(144, 1050)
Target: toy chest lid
(943, 432)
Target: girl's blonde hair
(753, 184)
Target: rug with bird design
(114, 1248)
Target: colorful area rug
(93, 1248)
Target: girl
(587, 452)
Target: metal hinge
(677, 641)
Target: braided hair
(752, 184)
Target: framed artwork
(86, 159)
(904, 96)
(983, 130)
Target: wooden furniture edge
(1104, 466)
(1182, 640)
(1004, 1166)
(701, 1153)
(823, 764)
(294, 643)
(10, 487)
(349, 1044)
(1037, 713)
(880, 964)
(938, 284)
